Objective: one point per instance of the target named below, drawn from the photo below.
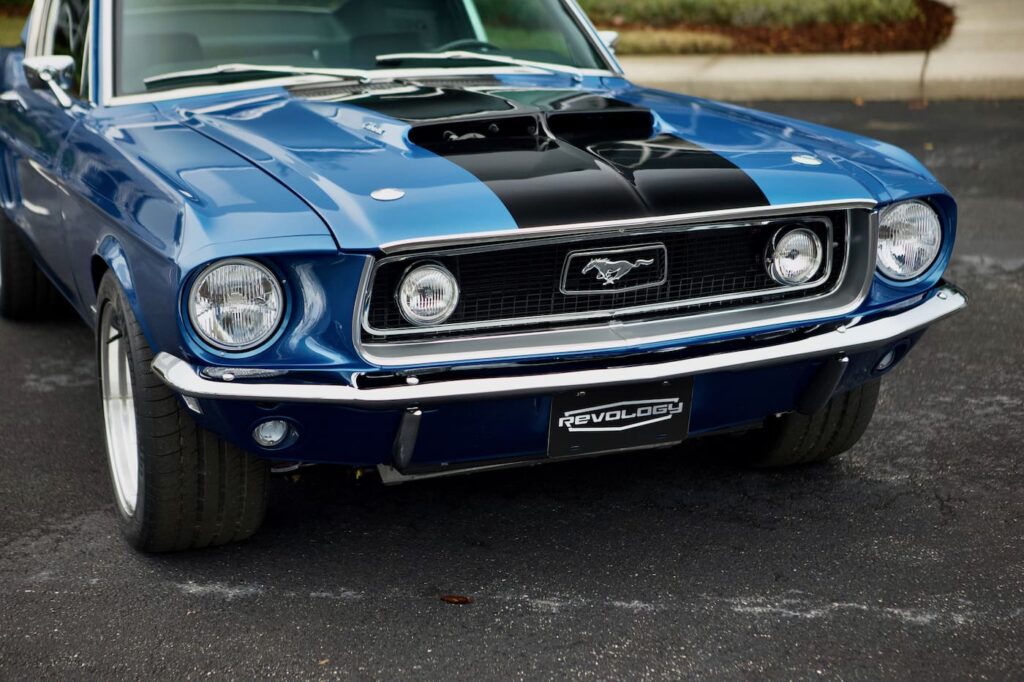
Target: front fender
(152, 201)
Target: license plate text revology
(622, 416)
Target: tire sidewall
(112, 297)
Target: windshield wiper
(465, 55)
(246, 71)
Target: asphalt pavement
(903, 559)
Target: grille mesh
(518, 281)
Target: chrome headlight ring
(236, 305)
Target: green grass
(659, 13)
(10, 30)
(655, 41)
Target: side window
(68, 32)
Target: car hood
(386, 163)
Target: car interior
(158, 38)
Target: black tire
(795, 439)
(194, 489)
(25, 292)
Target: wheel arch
(110, 257)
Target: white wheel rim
(119, 413)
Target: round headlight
(909, 240)
(236, 305)
(428, 295)
(795, 257)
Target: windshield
(160, 37)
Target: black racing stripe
(547, 182)
(552, 182)
(556, 158)
(675, 176)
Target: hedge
(749, 12)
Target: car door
(37, 126)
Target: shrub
(749, 12)
(15, 6)
(655, 41)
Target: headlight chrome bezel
(883, 268)
(250, 345)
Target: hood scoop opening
(480, 135)
(585, 128)
(580, 129)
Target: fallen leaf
(325, 661)
(457, 599)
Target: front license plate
(620, 418)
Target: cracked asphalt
(903, 559)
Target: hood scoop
(580, 129)
(585, 128)
(479, 135)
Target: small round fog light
(428, 295)
(272, 433)
(887, 361)
(795, 257)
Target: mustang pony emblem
(611, 271)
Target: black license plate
(632, 417)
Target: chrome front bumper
(861, 334)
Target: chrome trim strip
(857, 336)
(36, 23)
(682, 304)
(86, 86)
(361, 301)
(588, 28)
(781, 210)
(105, 45)
(48, 29)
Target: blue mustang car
(431, 237)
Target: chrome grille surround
(600, 335)
(564, 310)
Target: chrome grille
(522, 284)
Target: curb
(896, 76)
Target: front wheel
(794, 439)
(176, 485)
